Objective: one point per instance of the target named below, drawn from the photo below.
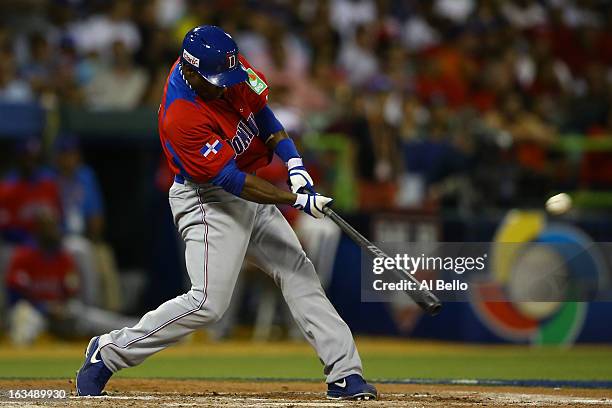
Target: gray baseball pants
(218, 229)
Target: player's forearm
(285, 148)
(274, 138)
(260, 191)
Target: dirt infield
(191, 393)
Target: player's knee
(300, 260)
(305, 267)
(209, 311)
(197, 300)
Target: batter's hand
(312, 204)
(299, 179)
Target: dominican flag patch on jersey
(211, 148)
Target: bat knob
(434, 309)
(431, 304)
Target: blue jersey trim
(230, 178)
(177, 89)
(177, 161)
(267, 123)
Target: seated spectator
(12, 88)
(358, 57)
(530, 135)
(41, 66)
(284, 60)
(419, 31)
(345, 15)
(435, 156)
(98, 32)
(121, 85)
(524, 14)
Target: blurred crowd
(453, 102)
(458, 104)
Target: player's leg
(276, 249)
(216, 227)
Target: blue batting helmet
(214, 55)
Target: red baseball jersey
(41, 276)
(199, 137)
(20, 199)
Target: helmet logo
(191, 59)
(231, 60)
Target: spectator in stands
(283, 57)
(347, 15)
(120, 85)
(358, 58)
(524, 14)
(12, 88)
(419, 31)
(160, 50)
(553, 54)
(435, 155)
(590, 109)
(101, 31)
(40, 68)
(321, 38)
(71, 74)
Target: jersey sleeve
(256, 88)
(196, 150)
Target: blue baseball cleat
(93, 375)
(352, 387)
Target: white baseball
(559, 204)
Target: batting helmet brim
(228, 78)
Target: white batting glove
(312, 204)
(299, 179)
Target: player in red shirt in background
(23, 191)
(40, 280)
(43, 284)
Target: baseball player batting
(216, 130)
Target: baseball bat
(423, 297)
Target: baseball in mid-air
(559, 204)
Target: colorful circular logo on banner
(532, 256)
